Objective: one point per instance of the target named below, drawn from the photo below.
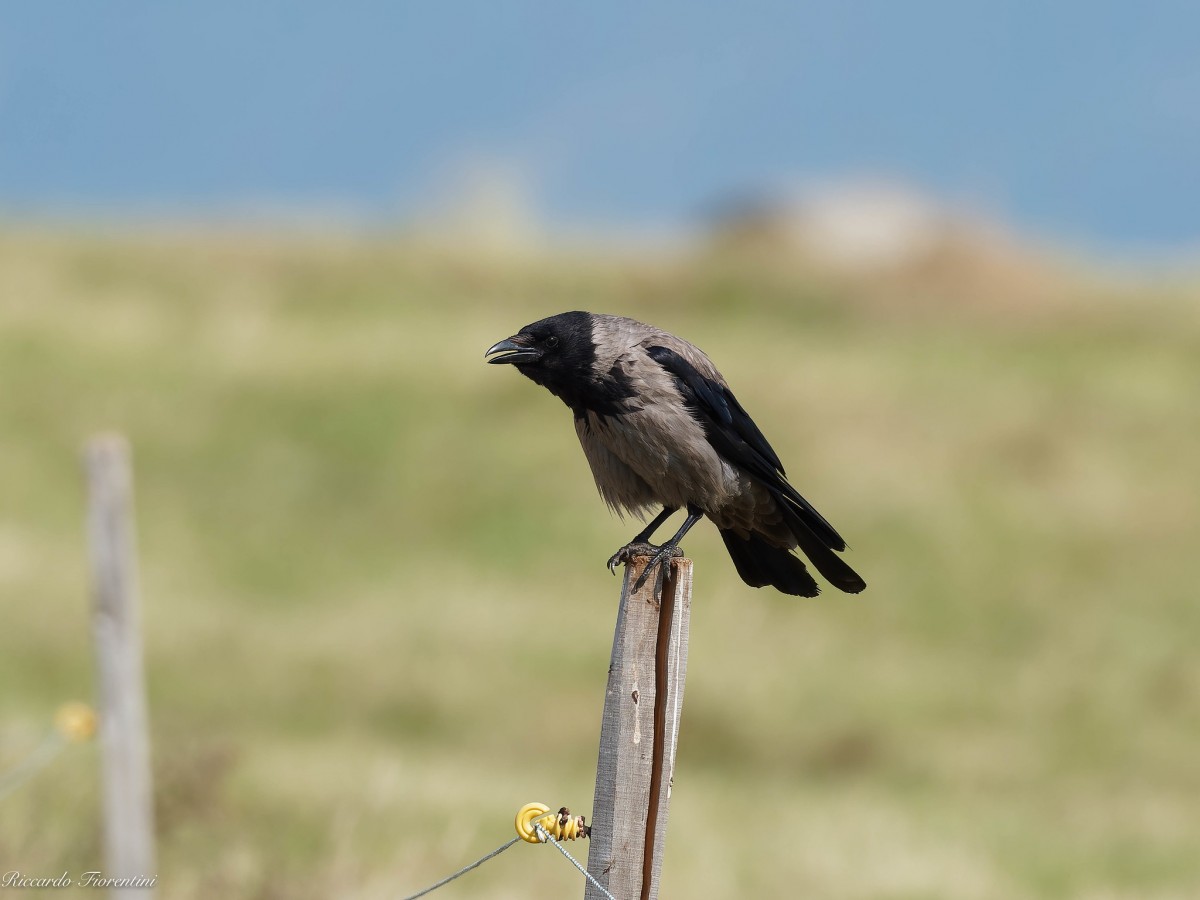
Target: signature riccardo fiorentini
(93, 879)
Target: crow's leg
(670, 549)
(640, 545)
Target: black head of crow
(661, 428)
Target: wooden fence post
(127, 790)
(639, 734)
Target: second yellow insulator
(75, 721)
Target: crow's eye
(552, 341)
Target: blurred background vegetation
(945, 253)
(373, 571)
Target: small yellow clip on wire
(562, 826)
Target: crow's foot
(660, 556)
(658, 564)
(629, 551)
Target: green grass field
(378, 621)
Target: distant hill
(872, 229)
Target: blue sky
(1074, 119)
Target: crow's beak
(516, 349)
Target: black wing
(733, 434)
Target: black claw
(641, 580)
(615, 560)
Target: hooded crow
(661, 428)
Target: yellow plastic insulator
(526, 816)
(569, 828)
(562, 826)
(75, 721)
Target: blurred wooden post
(128, 791)
(639, 734)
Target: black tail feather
(831, 566)
(760, 564)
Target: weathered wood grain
(639, 734)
